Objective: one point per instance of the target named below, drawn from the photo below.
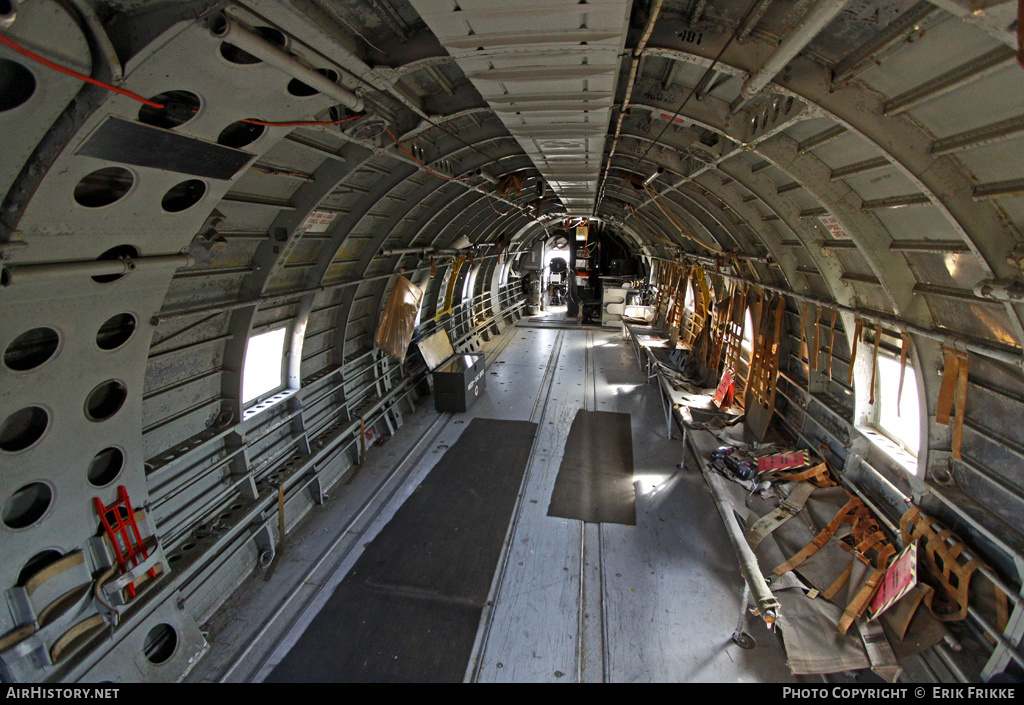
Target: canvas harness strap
(860, 601)
(784, 512)
(845, 516)
(874, 364)
(832, 343)
(866, 536)
(817, 339)
(817, 474)
(941, 551)
(954, 381)
(853, 350)
(948, 388)
(803, 329)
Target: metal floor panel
(669, 587)
(672, 586)
(658, 601)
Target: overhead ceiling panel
(549, 70)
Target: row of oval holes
(24, 428)
(29, 503)
(18, 84)
(108, 185)
(33, 348)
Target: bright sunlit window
(262, 372)
(901, 425)
(748, 333)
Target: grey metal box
(458, 382)
(458, 379)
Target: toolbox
(458, 377)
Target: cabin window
(688, 302)
(902, 424)
(748, 336)
(263, 370)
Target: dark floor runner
(595, 479)
(409, 609)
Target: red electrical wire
(491, 204)
(425, 167)
(301, 122)
(82, 77)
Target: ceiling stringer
(549, 72)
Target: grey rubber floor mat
(595, 479)
(409, 609)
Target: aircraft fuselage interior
(530, 341)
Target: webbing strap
(803, 328)
(946, 391)
(705, 295)
(961, 403)
(16, 636)
(880, 653)
(822, 538)
(680, 298)
(874, 364)
(835, 587)
(904, 349)
(909, 517)
(899, 617)
(870, 541)
(780, 515)
(819, 473)
(59, 606)
(832, 343)
(66, 563)
(860, 601)
(817, 338)
(853, 350)
(59, 650)
(915, 525)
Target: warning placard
(724, 394)
(318, 221)
(782, 461)
(899, 579)
(832, 223)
